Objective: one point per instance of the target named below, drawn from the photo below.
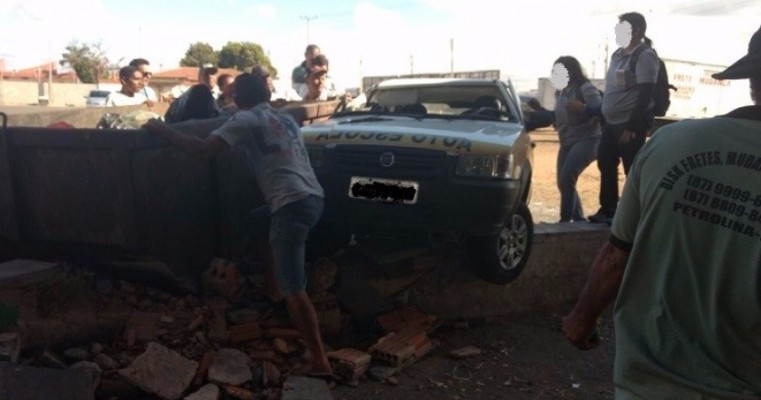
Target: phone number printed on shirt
(727, 191)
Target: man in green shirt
(683, 262)
(299, 74)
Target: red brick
(283, 333)
(403, 348)
(262, 355)
(349, 364)
(271, 375)
(397, 320)
(245, 332)
(203, 368)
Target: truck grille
(407, 161)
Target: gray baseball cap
(209, 68)
(748, 66)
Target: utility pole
(451, 56)
(308, 18)
(605, 71)
(361, 77)
(2, 72)
(412, 64)
(50, 73)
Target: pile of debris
(120, 340)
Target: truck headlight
(316, 155)
(489, 166)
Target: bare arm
(207, 147)
(601, 289)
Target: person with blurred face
(132, 83)
(577, 102)
(145, 67)
(627, 107)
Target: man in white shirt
(132, 83)
(318, 85)
(145, 67)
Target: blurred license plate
(383, 190)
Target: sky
(382, 37)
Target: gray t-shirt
(688, 313)
(573, 127)
(274, 149)
(621, 84)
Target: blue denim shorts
(287, 230)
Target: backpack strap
(635, 57)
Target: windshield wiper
(371, 118)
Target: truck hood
(455, 136)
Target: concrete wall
(26, 92)
(444, 285)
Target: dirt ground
(524, 356)
(545, 197)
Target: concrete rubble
(161, 371)
(229, 343)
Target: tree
(244, 55)
(198, 54)
(88, 61)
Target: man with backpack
(627, 107)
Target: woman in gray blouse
(577, 107)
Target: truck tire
(500, 258)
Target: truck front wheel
(500, 258)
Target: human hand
(582, 333)
(154, 126)
(575, 106)
(626, 136)
(278, 103)
(534, 104)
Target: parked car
(448, 160)
(97, 98)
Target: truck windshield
(432, 101)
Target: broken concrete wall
(555, 274)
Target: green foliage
(88, 61)
(243, 56)
(199, 53)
